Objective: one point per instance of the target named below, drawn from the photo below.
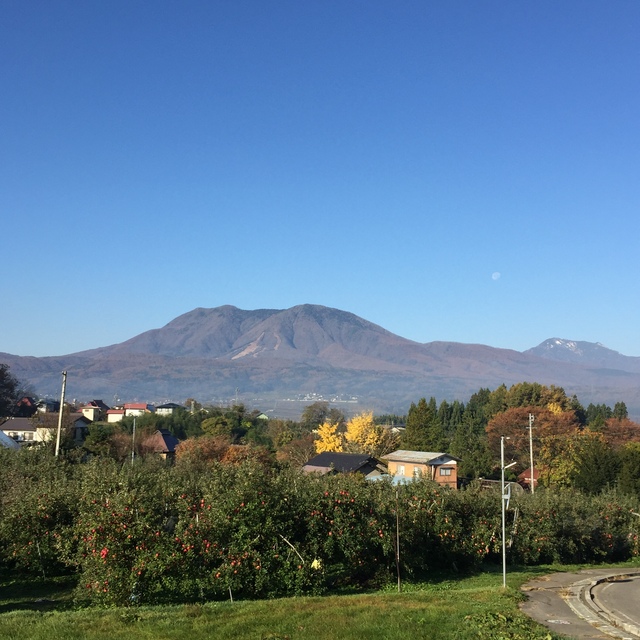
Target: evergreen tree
(597, 465)
(597, 415)
(471, 448)
(424, 430)
(9, 389)
(620, 411)
(497, 402)
(414, 437)
(436, 438)
(629, 476)
(477, 409)
(578, 409)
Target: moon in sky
(495, 275)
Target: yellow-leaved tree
(363, 435)
(328, 438)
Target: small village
(36, 422)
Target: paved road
(564, 602)
(620, 598)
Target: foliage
(224, 520)
(38, 508)
(297, 452)
(568, 526)
(424, 431)
(472, 449)
(9, 391)
(513, 423)
(363, 435)
(318, 413)
(200, 452)
(629, 475)
(329, 438)
(580, 459)
(597, 415)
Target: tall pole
(503, 498)
(504, 546)
(64, 386)
(398, 543)
(533, 482)
(133, 442)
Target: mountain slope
(271, 354)
(591, 354)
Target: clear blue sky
(450, 170)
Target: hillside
(268, 355)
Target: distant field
(473, 607)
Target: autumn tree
(582, 459)
(202, 450)
(618, 432)
(363, 435)
(328, 438)
(513, 425)
(298, 451)
(533, 394)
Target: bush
(39, 507)
(209, 530)
(568, 526)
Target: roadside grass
(442, 607)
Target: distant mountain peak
(574, 346)
(590, 354)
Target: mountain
(591, 354)
(269, 355)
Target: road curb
(581, 601)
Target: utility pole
(64, 386)
(533, 482)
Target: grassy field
(465, 608)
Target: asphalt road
(593, 604)
(620, 597)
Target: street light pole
(503, 499)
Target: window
(400, 470)
(445, 471)
(417, 471)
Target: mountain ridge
(276, 353)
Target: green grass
(441, 608)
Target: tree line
(590, 448)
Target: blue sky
(450, 170)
